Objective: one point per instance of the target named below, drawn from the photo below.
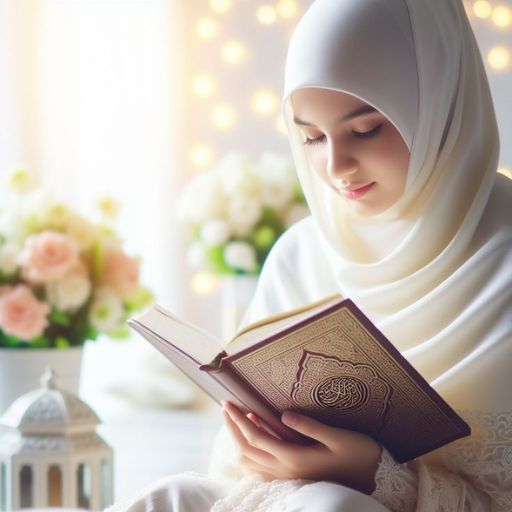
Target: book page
(190, 339)
(258, 331)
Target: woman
(394, 136)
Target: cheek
(318, 162)
(392, 156)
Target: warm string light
(502, 16)
(266, 14)
(206, 28)
(499, 57)
(233, 52)
(201, 155)
(203, 85)
(204, 283)
(223, 116)
(287, 8)
(220, 6)
(264, 102)
(482, 9)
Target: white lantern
(50, 453)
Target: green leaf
(60, 318)
(139, 299)
(215, 258)
(121, 332)
(62, 342)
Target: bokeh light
(482, 9)
(203, 85)
(201, 155)
(204, 283)
(264, 102)
(223, 116)
(499, 57)
(502, 16)
(206, 28)
(266, 14)
(287, 8)
(220, 6)
(233, 52)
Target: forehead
(312, 102)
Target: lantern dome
(49, 411)
(51, 454)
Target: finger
(255, 420)
(312, 428)
(254, 436)
(261, 457)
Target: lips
(356, 191)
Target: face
(354, 148)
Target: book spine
(244, 396)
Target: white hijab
(434, 271)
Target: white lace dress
(470, 475)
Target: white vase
(236, 293)
(22, 368)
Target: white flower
(277, 168)
(201, 199)
(243, 214)
(9, 255)
(70, 292)
(21, 180)
(239, 176)
(276, 194)
(240, 255)
(296, 212)
(12, 225)
(42, 209)
(106, 311)
(196, 257)
(215, 232)
(81, 231)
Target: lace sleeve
(477, 475)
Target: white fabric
(189, 492)
(431, 271)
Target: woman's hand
(341, 456)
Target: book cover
(335, 366)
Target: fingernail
(223, 403)
(289, 418)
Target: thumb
(309, 427)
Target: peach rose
(120, 272)
(21, 314)
(48, 256)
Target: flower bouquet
(236, 211)
(63, 279)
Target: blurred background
(124, 103)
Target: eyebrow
(367, 109)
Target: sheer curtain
(90, 92)
(92, 99)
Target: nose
(341, 163)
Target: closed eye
(368, 134)
(359, 135)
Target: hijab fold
(433, 270)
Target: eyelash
(359, 135)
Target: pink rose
(120, 272)
(21, 314)
(48, 256)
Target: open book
(326, 360)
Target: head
(353, 147)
